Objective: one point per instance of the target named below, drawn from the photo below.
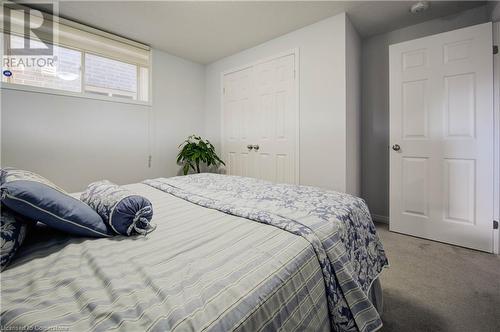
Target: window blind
(74, 35)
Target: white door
(238, 116)
(441, 136)
(260, 121)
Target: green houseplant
(195, 150)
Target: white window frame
(83, 93)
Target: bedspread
(200, 270)
(338, 226)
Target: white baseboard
(379, 218)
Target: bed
(228, 254)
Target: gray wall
(375, 101)
(74, 141)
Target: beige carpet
(432, 286)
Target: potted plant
(195, 150)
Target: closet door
(260, 121)
(276, 115)
(238, 123)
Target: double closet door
(260, 121)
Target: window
(110, 77)
(83, 61)
(63, 74)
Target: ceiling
(205, 31)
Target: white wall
(178, 107)
(113, 140)
(74, 141)
(55, 135)
(353, 98)
(322, 97)
(375, 101)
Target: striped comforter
(201, 270)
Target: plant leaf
(185, 168)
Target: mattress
(202, 269)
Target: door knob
(396, 147)
(249, 146)
(256, 147)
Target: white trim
(295, 52)
(35, 89)
(150, 87)
(297, 114)
(496, 116)
(379, 218)
(221, 138)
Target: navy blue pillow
(125, 212)
(38, 199)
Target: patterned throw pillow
(9, 174)
(125, 212)
(13, 232)
(38, 199)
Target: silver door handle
(249, 146)
(256, 147)
(396, 147)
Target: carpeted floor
(432, 286)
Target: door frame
(295, 52)
(496, 133)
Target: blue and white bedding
(125, 212)
(228, 254)
(338, 227)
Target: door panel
(416, 186)
(459, 194)
(269, 120)
(275, 91)
(459, 105)
(237, 117)
(441, 116)
(231, 163)
(415, 109)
